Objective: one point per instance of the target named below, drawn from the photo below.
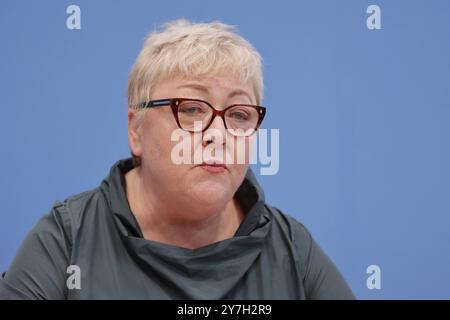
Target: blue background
(363, 117)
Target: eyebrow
(205, 89)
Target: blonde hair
(188, 49)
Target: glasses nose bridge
(216, 112)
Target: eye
(191, 109)
(238, 115)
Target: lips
(213, 166)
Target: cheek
(157, 144)
(239, 171)
(241, 150)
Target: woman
(161, 228)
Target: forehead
(212, 86)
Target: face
(190, 190)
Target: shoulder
(321, 277)
(70, 212)
(38, 270)
(294, 229)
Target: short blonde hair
(188, 49)
(193, 49)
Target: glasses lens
(193, 115)
(242, 120)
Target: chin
(211, 194)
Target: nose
(215, 131)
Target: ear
(134, 135)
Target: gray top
(91, 247)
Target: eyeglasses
(239, 119)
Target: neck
(156, 220)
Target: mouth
(213, 166)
